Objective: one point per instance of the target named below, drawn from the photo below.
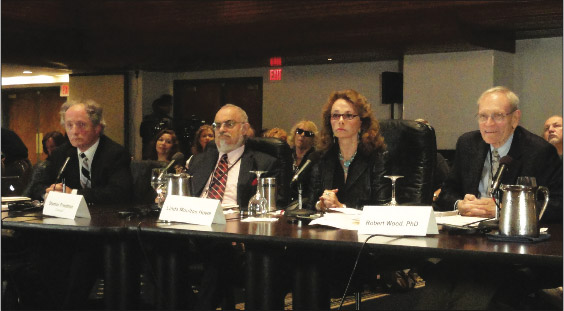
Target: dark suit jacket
(532, 156)
(365, 184)
(203, 165)
(111, 175)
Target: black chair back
(412, 149)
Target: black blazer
(203, 165)
(111, 175)
(365, 184)
(532, 156)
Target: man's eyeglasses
(346, 116)
(299, 131)
(497, 117)
(229, 124)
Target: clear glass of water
(158, 183)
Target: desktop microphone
(304, 167)
(62, 169)
(177, 157)
(188, 162)
(496, 181)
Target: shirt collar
(90, 151)
(234, 154)
(504, 150)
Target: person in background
(352, 165)
(165, 146)
(302, 141)
(155, 122)
(277, 132)
(441, 168)
(50, 142)
(553, 132)
(203, 135)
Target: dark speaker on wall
(392, 87)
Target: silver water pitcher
(519, 215)
(178, 184)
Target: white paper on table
(347, 210)
(259, 219)
(338, 220)
(14, 199)
(458, 220)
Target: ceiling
(106, 36)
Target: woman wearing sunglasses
(302, 141)
(350, 172)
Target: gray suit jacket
(532, 156)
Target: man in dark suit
(480, 286)
(65, 269)
(231, 125)
(98, 167)
(466, 188)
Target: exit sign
(275, 74)
(64, 92)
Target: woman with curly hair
(353, 157)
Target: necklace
(347, 163)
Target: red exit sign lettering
(275, 74)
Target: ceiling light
(329, 59)
(27, 71)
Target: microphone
(496, 180)
(304, 167)
(62, 169)
(177, 157)
(188, 162)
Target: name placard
(65, 205)
(398, 220)
(191, 210)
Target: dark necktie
(219, 179)
(495, 167)
(85, 169)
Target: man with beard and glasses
(222, 172)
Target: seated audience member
(466, 188)
(202, 137)
(277, 132)
(222, 172)
(553, 132)
(165, 146)
(352, 165)
(50, 142)
(450, 285)
(104, 175)
(302, 141)
(441, 169)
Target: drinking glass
(158, 183)
(527, 181)
(393, 202)
(257, 203)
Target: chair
(143, 193)
(412, 149)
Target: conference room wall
(537, 78)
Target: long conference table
(123, 229)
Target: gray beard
(224, 147)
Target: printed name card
(190, 210)
(65, 205)
(398, 220)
